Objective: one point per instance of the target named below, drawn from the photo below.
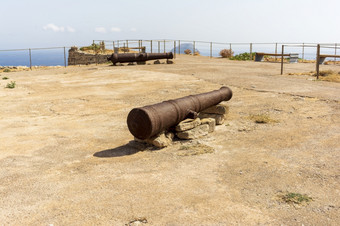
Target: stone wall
(77, 57)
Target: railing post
(230, 47)
(275, 50)
(164, 45)
(335, 46)
(317, 61)
(179, 46)
(139, 46)
(251, 51)
(118, 44)
(175, 49)
(282, 51)
(65, 56)
(303, 51)
(30, 54)
(127, 44)
(193, 48)
(159, 46)
(141, 43)
(151, 46)
(210, 49)
(113, 45)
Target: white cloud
(133, 29)
(116, 29)
(54, 28)
(70, 29)
(100, 30)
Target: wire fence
(213, 49)
(51, 56)
(58, 56)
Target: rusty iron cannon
(147, 121)
(138, 57)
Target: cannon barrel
(147, 121)
(138, 57)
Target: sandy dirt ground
(67, 157)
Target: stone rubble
(217, 109)
(187, 124)
(217, 112)
(190, 129)
(161, 140)
(211, 122)
(219, 119)
(197, 132)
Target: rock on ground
(218, 118)
(188, 124)
(194, 133)
(161, 140)
(211, 122)
(217, 109)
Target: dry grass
(330, 62)
(329, 75)
(226, 53)
(273, 59)
(187, 51)
(196, 149)
(331, 78)
(326, 75)
(262, 119)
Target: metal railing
(318, 48)
(39, 56)
(212, 49)
(28, 54)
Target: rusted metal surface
(138, 57)
(147, 121)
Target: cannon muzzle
(147, 121)
(138, 57)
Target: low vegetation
(6, 70)
(243, 56)
(226, 53)
(187, 51)
(94, 47)
(4, 78)
(329, 75)
(326, 75)
(194, 149)
(11, 85)
(197, 53)
(295, 198)
(262, 119)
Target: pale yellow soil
(67, 157)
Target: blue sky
(46, 23)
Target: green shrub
(243, 56)
(226, 53)
(11, 85)
(94, 47)
(296, 198)
(7, 70)
(4, 78)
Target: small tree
(187, 51)
(226, 53)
